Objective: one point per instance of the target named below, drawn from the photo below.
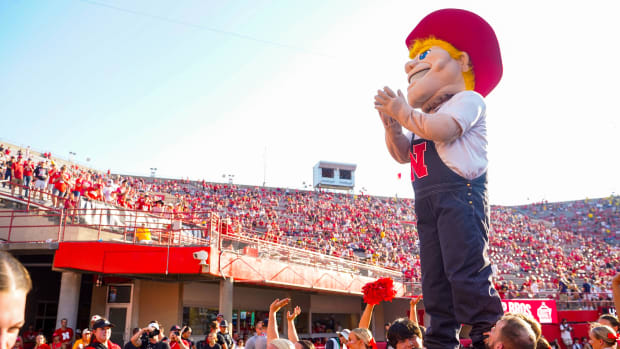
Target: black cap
(175, 328)
(102, 323)
(224, 323)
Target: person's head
(40, 339)
(86, 335)
(224, 326)
(280, 343)
(602, 336)
(211, 338)
(304, 344)
(241, 343)
(175, 332)
(535, 325)
(360, 338)
(187, 332)
(261, 326)
(343, 335)
(15, 284)
(404, 334)
(63, 323)
(609, 320)
(102, 330)
(155, 331)
(511, 332)
(94, 319)
(214, 326)
(56, 339)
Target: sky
(263, 90)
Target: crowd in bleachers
(553, 255)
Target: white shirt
(467, 155)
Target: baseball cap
(95, 318)
(175, 328)
(224, 323)
(154, 325)
(102, 323)
(86, 330)
(220, 315)
(344, 333)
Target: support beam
(69, 298)
(226, 299)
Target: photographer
(149, 338)
(176, 342)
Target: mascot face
(433, 77)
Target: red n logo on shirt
(417, 161)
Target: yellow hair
(422, 45)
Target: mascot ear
(464, 62)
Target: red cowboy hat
(470, 33)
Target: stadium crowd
(547, 257)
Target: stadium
(126, 244)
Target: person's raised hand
(390, 124)
(296, 312)
(414, 301)
(392, 104)
(278, 304)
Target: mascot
(455, 63)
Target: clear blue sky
(265, 89)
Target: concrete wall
(160, 301)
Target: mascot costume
(455, 63)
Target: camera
(202, 256)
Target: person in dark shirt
(210, 342)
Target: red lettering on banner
(418, 167)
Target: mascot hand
(392, 105)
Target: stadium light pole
(71, 154)
(230, 177)
(153, 170)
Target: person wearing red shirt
(176, 341)
(61, 186)
(28, 171)
(40, 342)
(64, 333)
(102, 331)
(17, 177)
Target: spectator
(40, 342)
(585, 343)
(224, 331)
(15, 284)
(28, 171)
(403, 334)
(259, 340)
(214, 328)
(40, 179)
(84, 341)
(611, 321)
(240, 344)
(17, 177)
(30, 337)
(511, 332)
(176, 341)
(566, 333)
(602, 337)
(361, 338)
(186, 334)
(8, 171)
(130, 345)
(150, 337)
(210, 342)
(64, 333)
(102, 329)
(292, 332)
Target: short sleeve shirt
(466, 155)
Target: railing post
(8, 238)
(60, 225)
(99, 229)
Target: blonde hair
(601, 332)
(363, 334)
(13, 275)
(422, 45)
(282, 343)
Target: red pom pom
(378, 291)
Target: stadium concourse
(562, 252)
